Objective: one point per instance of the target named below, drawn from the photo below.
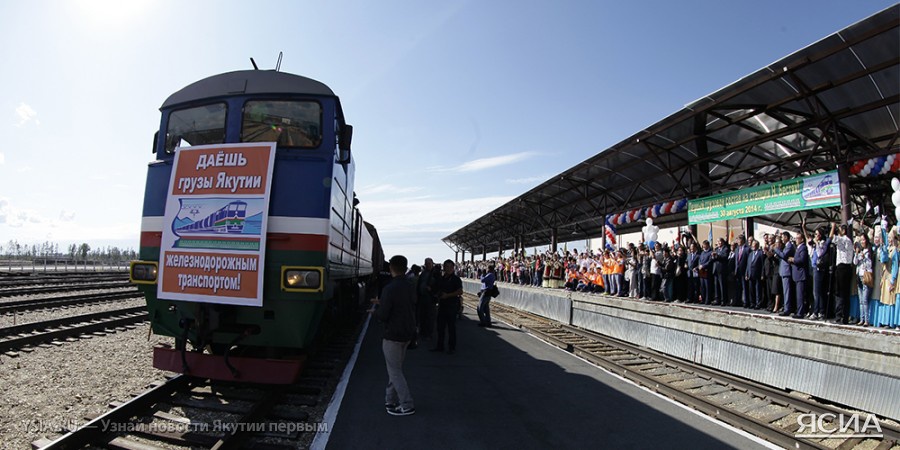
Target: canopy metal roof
(833, 102)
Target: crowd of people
(413, 304)
(808, 274)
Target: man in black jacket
(719, 268)
(397, 311)
(426, 300)
(742, 295)
(449, 291)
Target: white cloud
(476, 165)
(423, 214)
(26, 114)
(527, 180)
(31, 226)
(387, 187)
(15, 217)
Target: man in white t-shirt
(843, 273)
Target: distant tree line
(78, 253)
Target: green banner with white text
(815, 191)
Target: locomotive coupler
(185, 324)
(249, 331)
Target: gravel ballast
(53, 386)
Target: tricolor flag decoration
(610, 232)
(652, 211)
(879, 165)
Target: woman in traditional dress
(890, 261)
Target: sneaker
(437, 349)
(390, 406)
(401, 411)
(451, 351)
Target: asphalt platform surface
(505, 389)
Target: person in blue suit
(785, 254)
(754, 277)
(741, 291)
(719, 267)
(693, 273)
(704, 271)
(799, 268)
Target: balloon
(895, 184)
(650, 231)
(895, 199)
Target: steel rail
(70, 300)
(39, 332)
(102, 432)
(95, 429)
(64, 288)
(890, 431)
(774, 434)
(8, 282)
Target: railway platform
(506, 389)
(847, 365)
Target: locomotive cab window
(289, 123)
(196, 126)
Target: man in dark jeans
(719, 267)
(426, 302)
(397, 311)
(449, 289)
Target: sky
(457, 106)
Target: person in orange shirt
(572, 279)
(594, 282)
(604, 270)
(620, 273)
(609, 260)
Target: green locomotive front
(318, 252)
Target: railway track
(36, 278)
(66, 301)
(31, 334)
(766, 412)
(32, 290)
(198, 413)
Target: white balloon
(650, 231)
(895, 199)
(895, 184)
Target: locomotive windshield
(196, 126)
(289, 123)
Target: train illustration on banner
(227, 219)
(253, 243)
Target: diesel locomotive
(320, 257)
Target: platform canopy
(832, 103)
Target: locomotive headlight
(143, 272)
(301, 279)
